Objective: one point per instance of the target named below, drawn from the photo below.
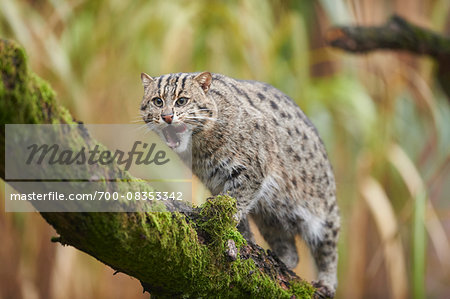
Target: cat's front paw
(322, 291)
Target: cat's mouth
(171, 134)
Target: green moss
(237, 278)
(19, 87)
(236, 236)
(302, 289)
(217, 217)
(166, 254)
(161, 249)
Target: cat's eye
(181, 101)
(158, 102)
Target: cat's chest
(214, 172)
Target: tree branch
(182, 250)
(396, 34)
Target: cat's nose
(167, 118)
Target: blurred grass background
(384, 119)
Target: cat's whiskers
(141, 127)
(138, 118)
(147, 131)
(147, 126)
(150, 127)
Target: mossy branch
(182, 251)
(396, 34)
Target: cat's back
(261, 116)
(260, 102)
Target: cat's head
(176, 106)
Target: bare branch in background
(397, 34)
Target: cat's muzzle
(171, 134)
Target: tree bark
(180, 251)
(397, 34)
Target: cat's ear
(204, 79)
(146, 79)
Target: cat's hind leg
(280, 241)
(322, 241)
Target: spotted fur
(249, 140)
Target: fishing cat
(249, 140)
